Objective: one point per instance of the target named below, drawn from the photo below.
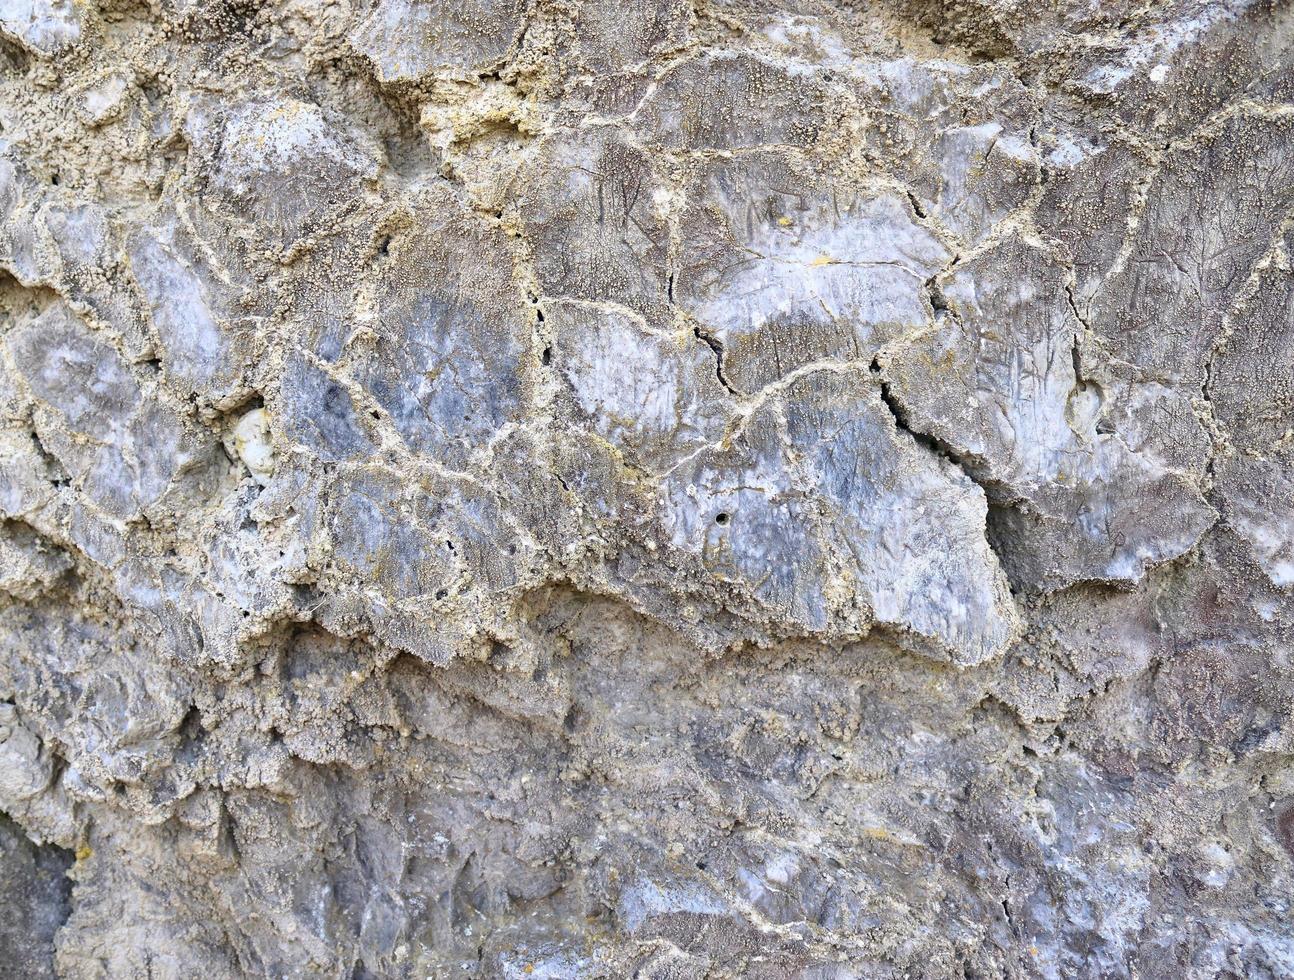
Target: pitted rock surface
(663, 489)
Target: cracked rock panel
(669, 489)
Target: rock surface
(670, 489)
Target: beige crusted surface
(657, 488)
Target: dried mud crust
(669, 489)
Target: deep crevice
(1073, 308)
(717, 347)
(996, 495)
(938, 301)
(1211, 464)
(925, 439)
(1207, 385)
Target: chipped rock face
(678, 489)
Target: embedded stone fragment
(1250, 385)
(122, 446)
(19, 201)
(207, 341)
(784, 268)
(297, 170)
(317, 411)
(1257, 494)
(741, 511)
(71, 246)
(29, 565)
(832, 518)
(997, 377)
(27, 478)
(610, 36)
(104, 100)
(84, 259)
(1185, 60)
(985, 172)
(1211, 215)
(408, 39)
(450, 345)
(1000, 381)
(1114, 516)
(733, 100)
(655, 395)
(43, 26)
(1087, 201)
(590, 202)
(1251, 375)
(961, 139)
(27, 769)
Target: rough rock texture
(655, 488)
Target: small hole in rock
(721, 518)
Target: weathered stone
(672, 489)
(119, 443)
(42, 26)
(1000, 381)
(783, 269)
(410, 39)
(590, 203)
(35, 879)
(654, 395)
